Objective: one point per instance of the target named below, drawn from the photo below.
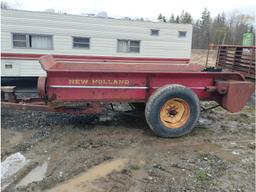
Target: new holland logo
(121, 82)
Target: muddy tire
(172, 111)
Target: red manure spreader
(171, 92)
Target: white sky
(138, 8)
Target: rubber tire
(157, 100)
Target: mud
(118, 152)
(83, 182)
(36, 174)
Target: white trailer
(25, 35)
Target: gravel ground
(118, 152)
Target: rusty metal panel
(49, 64)
(128, 87)
(124, 82)
(82, 86)
(41, 86)
(86, 82)
(238, 93)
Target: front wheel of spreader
(172, 111)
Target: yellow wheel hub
(174, 113)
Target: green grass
(201, 175)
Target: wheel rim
(174, 113)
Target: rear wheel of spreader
(172, 111)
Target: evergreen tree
(160, 17)
(4, 5)
(228, 29)
(182, 16)
(172, 19)
(185, 18)
(219, 29)
(205, 18)
(177, 20)
(196, 35)
(164, 19)
(205, 23)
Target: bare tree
(8, 5)
(5, 5)
(222, 29)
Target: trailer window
(19, 40)
(154, 32)
(33, 41)
(182, 33)
(81, 42)
(128, 46)
(41, 41)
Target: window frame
(156, 30)
(179, 34)
(89, 43)
(28, 35)
(26, 40)
(129, 46)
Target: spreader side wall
(136, 87)
(96, 87)
(196, 82)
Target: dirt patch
(199, 56)
(218, 155)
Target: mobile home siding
(103, 34)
